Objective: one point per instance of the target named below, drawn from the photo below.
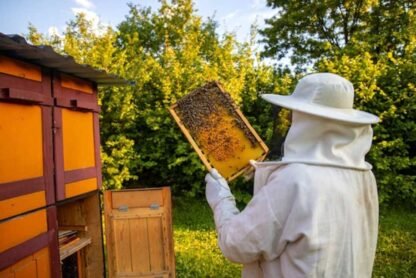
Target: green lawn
(197, 254)
(396, 248)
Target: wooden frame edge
(189, 137)
(107, 200)
(201, 153)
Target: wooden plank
(80, 174)
(98, 164)
(77, 84)
(71, 214)
(20, 142)
(80, 264)
(136, 213)
(35, 265)
(20, 69)
(73, 247)
(160, 274)
(168, 231)
(109, 239)
(80, 187)
(93, 254)
(136, 199)
(43, 263)
(156, 248)
(20, 204)
(139, 246)
(83, 228)
(22, 228)
(27, 270)
(58, 154)
(121, 235)
(78, 139)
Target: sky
(51, 16)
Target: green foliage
(118, 157)
(166, 53)
(169, 53)
(95, 46)
(371, 43)
(268, 120)
(314, 29)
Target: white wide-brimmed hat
(325, 95)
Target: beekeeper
(315, 212)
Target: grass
(197, 253)
(396, 248)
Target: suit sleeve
(250, 235)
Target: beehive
(218, 131)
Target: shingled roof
(16, 46)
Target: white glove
(217, 188)
(253, 163)
(219, 198)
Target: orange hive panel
(20, 69)
(78, 139)
(21, 151)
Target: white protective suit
(313, 214)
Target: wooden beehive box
(218, 131)
(50, 168)
(139, 232)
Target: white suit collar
(319, 141)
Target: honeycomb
(224, 138)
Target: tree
(371, 43)
(165, 54)
(170, 53)
(313, 29)
(95, 46)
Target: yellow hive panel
(218, 131)
(80, 187)
(22, 228)
(16, 205)
(20, 69)
(76, 84)
(78, 139)
(36, 265)
(21, 152)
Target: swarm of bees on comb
(217, 130)
(202, 112)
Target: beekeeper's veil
(325, 129)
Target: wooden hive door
(76, 137)
(138, 231)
